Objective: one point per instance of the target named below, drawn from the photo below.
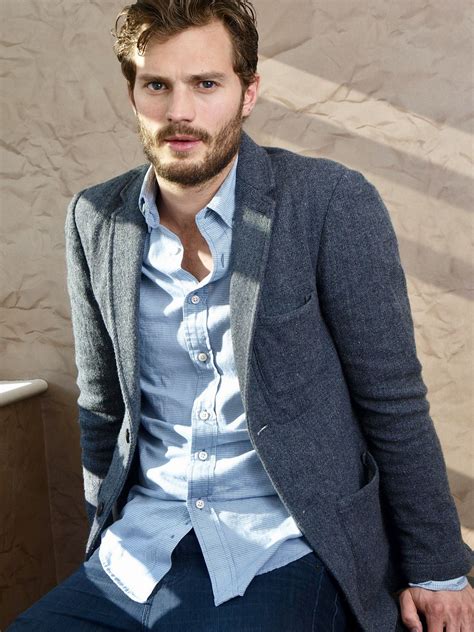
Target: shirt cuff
(449, 584)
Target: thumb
(409, 613)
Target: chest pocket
(285, 351)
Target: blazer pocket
(295, 310)
(284, 353)
(362, 521)
(283, 343)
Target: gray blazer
(325, 353)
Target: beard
(222, 148)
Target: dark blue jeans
(298, 597)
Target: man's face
(190, 104)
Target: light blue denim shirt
(198, 467)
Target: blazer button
(127, 435)
(100, 509)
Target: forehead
(194, 50)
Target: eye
(208, 84)
(155, 86)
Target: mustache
(174, 130)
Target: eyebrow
(205, 76)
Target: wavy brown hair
(161, 19)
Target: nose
(180, 105)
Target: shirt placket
(204, 420)
(200, 475)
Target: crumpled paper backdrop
(384, 87)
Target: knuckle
(407, 619)
(404, 599)
(435, 608)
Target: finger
(408, 612)
(454, 619)
(467, 623)
(435, 623)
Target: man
(257, 448)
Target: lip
(181, 137)
(182, 143)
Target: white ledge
(15, 390)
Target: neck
(179, 205)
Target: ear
(250, 96)
(131, 98)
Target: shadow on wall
(421, 47)
(285, 123)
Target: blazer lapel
(251, 233)
(125, 260)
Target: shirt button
(202, 455)
(202, 357)
(204, 415)
(199, 503)
(195, 299)
(175, 250)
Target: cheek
(216, 115)
(150, 109)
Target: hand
(450, 610)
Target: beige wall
(383, 87)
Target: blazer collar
(254, 168)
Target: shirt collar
(223, 202)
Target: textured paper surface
(383, 87)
